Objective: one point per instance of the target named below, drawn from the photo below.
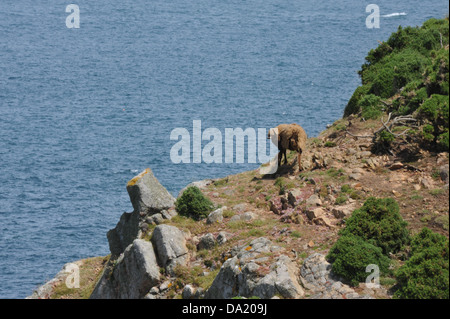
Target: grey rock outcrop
(135, 272)
(317, 276)
(170, 247)
(148, 197)
(250, 272)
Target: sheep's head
(294, 143)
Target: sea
(84, 109)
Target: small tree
(425, 275)
(194, 204)
(350, 256)
(379, 220)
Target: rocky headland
(270, 236)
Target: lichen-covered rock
(242, 274)
(170, 247)
(216, 216)
(318, 278)
(207, 242)
(148, 197)
(134, 273)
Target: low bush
(425, 275)
(378, 220)
(192, 203)
(350, 256)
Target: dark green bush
(370, 106)
(435, 113)
(414, 62)
(425, 275)
(353, 104)
(350, 256)
(194, 204)
(379, 220)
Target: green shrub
(370, 106)
(194, 204)
(350, 256)
(378, 220)
(425, 275)
(435, 113)
(353, 104)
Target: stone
(396, 166)
(355, 176)
(156, 219)
(135, 272)
(147, 194)
(222, 238)
(216, 216)
(239, 207)
(207, 242)
(343, 211)
(240, 276)
(443, 173)
(313, 200)
(425, 182)
(293, 196)
(317, 277)
(323, 221)
(314, 213)
(248, 216)
(148, 197)
(235, 218)
(188, 292)
(170, 247)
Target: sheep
(290, 137)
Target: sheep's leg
(285, 157)
(299, 160)
(280, 155)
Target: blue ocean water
(84, 110)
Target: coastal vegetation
(407, 76)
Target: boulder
(207, 242)
(188, 292)
(148, 197)
(222, 238)
(170, 247)
(341, 212)
(314, 213)
(216, 216)
(240, 275)
(248, 216)
(293, 196)
(316, 275)
(135, 272)
(313, 200)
